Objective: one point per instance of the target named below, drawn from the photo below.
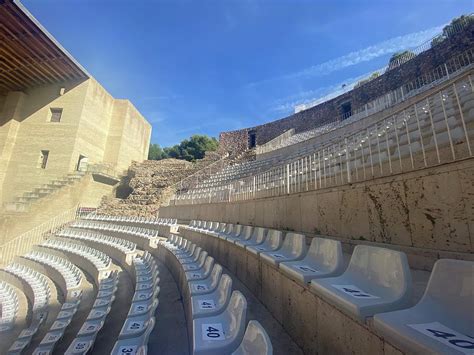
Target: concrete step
(30, 194)
(74, 177)
(55, 185)
(26, 199)
(42, 191)
(17, 207)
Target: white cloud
(364, 55)
(287, 104)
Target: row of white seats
(71, 277)
(142, 237)
(70, 272)
(133, 338)
(377, 283)
(131, 219)
(139, 322)
(218, 313)
(58, 328)
(100, 260)
(123, 245)
(41, 296)
(8, 306)
(84, 341)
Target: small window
(44, 158)
(56, 114)
(252, 139)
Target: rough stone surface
(151, 184)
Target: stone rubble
(151, 184)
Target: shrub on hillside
(399, 58)
(189, 149)
(454, 26)
(364, 81)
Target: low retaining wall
(315, 325)
(428, 214)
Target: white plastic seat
(183, 248)
(203, 226)
(229, 227)
(223, 333)
(293, 248)
(219, 230)
(208, 285)
(255, 341)
(442, 322)
(236, 230)
(324, 259)
(80, 346)
(244, 235)
(134, 327)
(191, 259)
(188, 252)
(211, 303)
(211, 227)
(376, 280)
(198, 264)
(272, 242)
(257, 237)
(137, 345)
(202, 273)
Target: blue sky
(211, 66)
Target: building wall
(87, 192)
(34, 132)
(129, 136)
(328, 111)
(93, 124)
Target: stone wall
(330, 110)
(429, 214)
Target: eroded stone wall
(150, 184)
(330, 110)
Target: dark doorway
(82, 163)
(346, 110)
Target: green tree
(189, 149)
(156, 153)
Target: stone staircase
(23, 202)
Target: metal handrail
(433, 130)
(418, 85)
(25, 241)
(401, 60)
(192, 180)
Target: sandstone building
(55, 118)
